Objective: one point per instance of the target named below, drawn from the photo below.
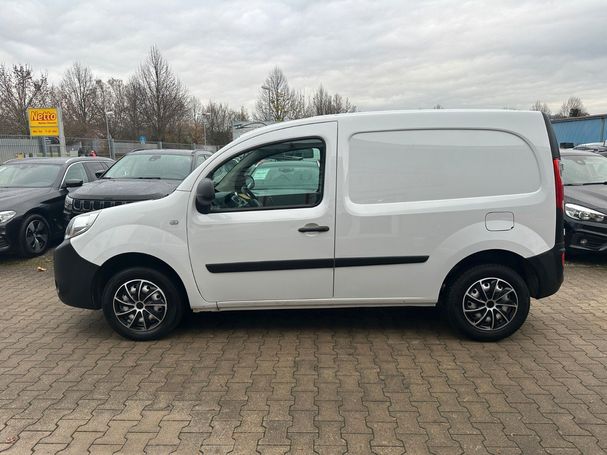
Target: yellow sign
(43, 122)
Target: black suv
(138, 176)
(32, 191)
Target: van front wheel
(488, 302)
(141, 304)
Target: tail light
(558, 185)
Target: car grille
(85, 205)
(3, 241)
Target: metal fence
(24, 146)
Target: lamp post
(109, 138)
(266, 88)
(205, 116)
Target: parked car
(597, 147)
(32, 191)
(413, 208)
(585, 179)
(138, 176)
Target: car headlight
(7, 215)
(69, 202)
(80, 224)
(582, 213)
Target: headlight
(7, 215)
(69, 202)
(80, 224)
(579, 212)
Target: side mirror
(72, 183)
(99, 173)
(205, 195)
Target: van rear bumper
(548, 270)
(74, 277)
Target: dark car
(596, 147)
(32, 193)
(138, 176)
(585, 180)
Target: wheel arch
(496, 256)
(128, 260)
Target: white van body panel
(444, 231)
(266, 235)
(156, 228)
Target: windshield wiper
(573, 184)
(148, 178)
(595, 183)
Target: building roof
(577, 119)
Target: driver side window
(286, 174)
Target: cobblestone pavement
(383, 381)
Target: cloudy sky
(381, 54)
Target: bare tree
(134, 117)
(162, 98)
(20, 90)
(573, 107)
(437, 106)
(541, 107)
(276, 101)
(324, 104)
(78, 95)
(219, 121)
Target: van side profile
(461, 209)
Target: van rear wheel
(488, 302)
(141, 304)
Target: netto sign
(43, 122)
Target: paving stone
(386, 381)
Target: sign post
(62, 150)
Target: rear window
(151, 166)
(406, 166)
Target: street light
(205, 115)
(109, 138)
(265, 87)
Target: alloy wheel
(36, 236)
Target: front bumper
(9, 234)
(586, 235)
(74, 277)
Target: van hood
(125, 189)
(591, 196)
(12, 197)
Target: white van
(457, 208)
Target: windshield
(28, 175)
(584, 170)
(151, 166)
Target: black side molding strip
(300, 264)
(264, 266)
(381, 260)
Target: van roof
(338, 117)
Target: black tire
(506, 304)
(34, 236)
(143, 307)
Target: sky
(381, 54)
